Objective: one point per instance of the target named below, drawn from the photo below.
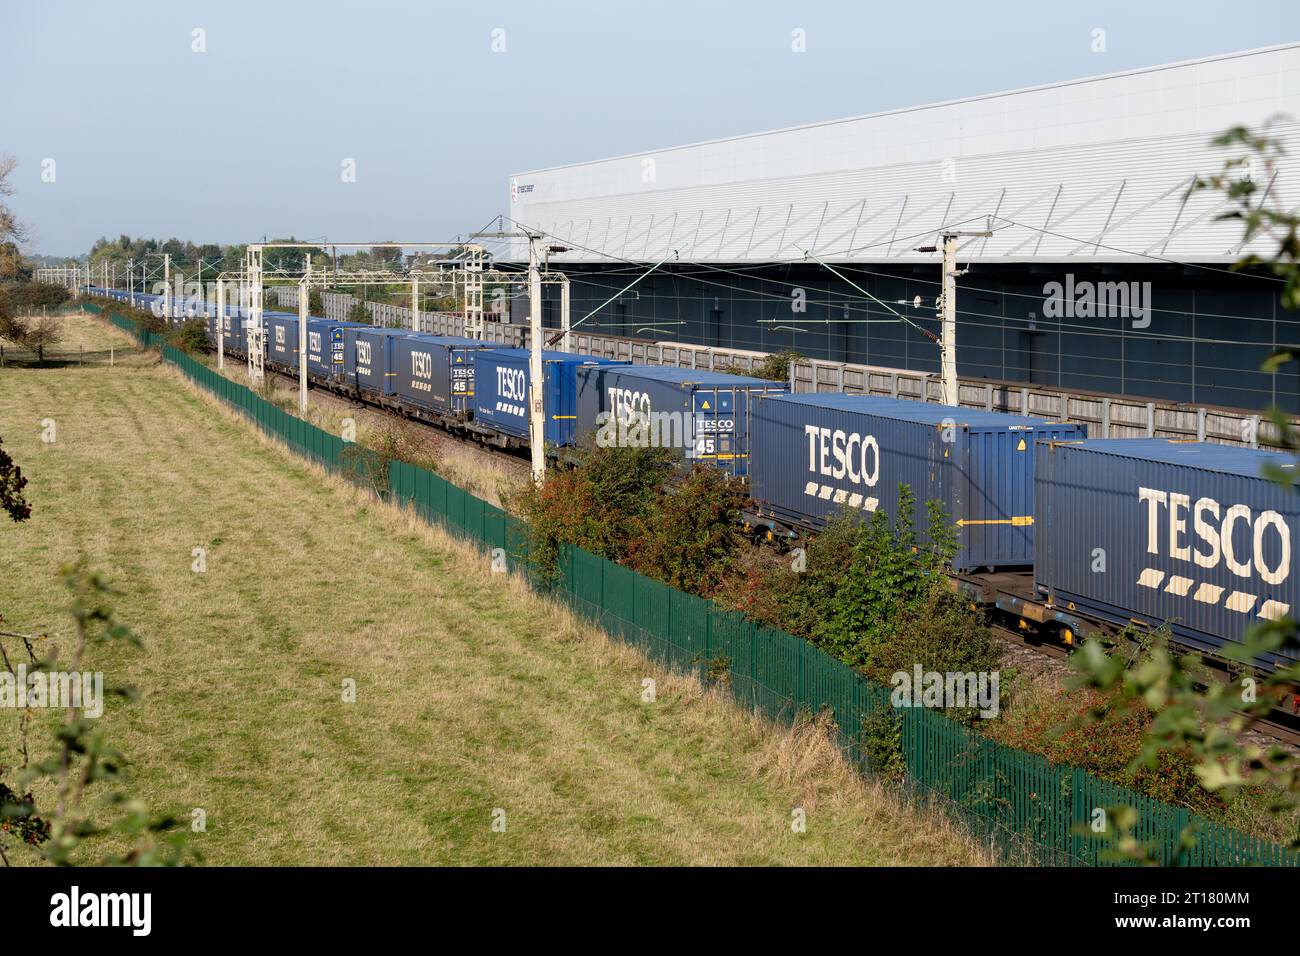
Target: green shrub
(777, 365)
(635, 506)
(889, 575)
(144, 320)
(1101, 733)
(870, 594)
(693, 533)
(603, 502)
(941, 632)
(882, 743)
(190, 336)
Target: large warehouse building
(1105, 270)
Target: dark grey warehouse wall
(1202, 339)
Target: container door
(336, 353)
(558, 408)
(383, 368)
(993, 497)
(714, 441)
(462, 379)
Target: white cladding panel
(1095, 169)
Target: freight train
(1061, 534)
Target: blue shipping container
(816, 455)
(233, 336)
(325, 345)
(1156, 531)
(434, 372)
(368, 364)
(703, 413)
(281, 338)
(501, 392)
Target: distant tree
(359, 312)
(386, 257)
(12, 328)
(13, 267)
(33, 296)
(292, 260)
(316, 303)
(11, 230)
(209, 252)
(43, 333)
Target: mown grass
(472, 693)
(81, 333)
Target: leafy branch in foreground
(84, 771)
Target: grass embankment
(472, 694)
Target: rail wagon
(816, 455)
(1153, 531)
(501, 394)
(281, 338)
(435, 373)
(703, 414)
(368, 361)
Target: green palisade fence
(1024, 806)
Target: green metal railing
(1021, 804)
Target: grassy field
(80, 335)
(472, 694)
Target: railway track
(1280, 724)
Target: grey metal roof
(1094, 170)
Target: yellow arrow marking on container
(1019, 521)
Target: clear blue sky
(248, 138)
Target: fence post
(1078, 815)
